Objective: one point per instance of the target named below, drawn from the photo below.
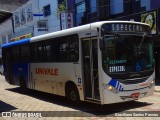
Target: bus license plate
(135, 95)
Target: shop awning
(4, 15)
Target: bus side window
(24, 53)
(67, 48)
(37, 52)
(63, 50)
(16, 53)
(32, 52)
(40, 52)
(73, 50)
(48, 53)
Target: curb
(157, 89)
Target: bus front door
(90, 68)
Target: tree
(61, 8)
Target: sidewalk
(157, 85)
(157, 88)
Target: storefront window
(93, 4)
(80, 12)
(146, 4)
(81, 7)
(116, 6)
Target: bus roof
(74, 30)
(20, 42)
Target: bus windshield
(123, 54)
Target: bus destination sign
(126, 27)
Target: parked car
(1, 69)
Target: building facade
(34, 18)
(97, 10)
(5, 32)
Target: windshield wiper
(140, 44)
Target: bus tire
(72, 94)
(23, 85)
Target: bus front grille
(133, 81)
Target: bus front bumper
(128, 95)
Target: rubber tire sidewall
(70, 90)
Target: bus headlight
(110, 88)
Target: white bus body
(85, 76)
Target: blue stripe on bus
(116, 84)
(113, 83)
(20, 42)
(120, 87)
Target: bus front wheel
(72, 94)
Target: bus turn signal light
(110, 88)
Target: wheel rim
(73, 96)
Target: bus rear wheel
(23, 85)
(72, 94)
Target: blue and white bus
(102, 62)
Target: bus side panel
(51, 77)
(20, 71)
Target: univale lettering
(47, 71)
